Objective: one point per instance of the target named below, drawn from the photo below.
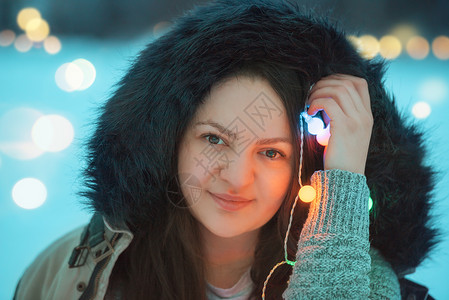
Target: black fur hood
(198, 50)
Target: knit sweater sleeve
(333, 257)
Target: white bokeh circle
(69, 77)
(15, 133)
(89, 73)
(29, 193)
(421, 110)
(52, 133)
(77, 75)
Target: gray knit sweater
(334, 259)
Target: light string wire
(286, 260)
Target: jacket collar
(98, 238)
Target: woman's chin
(226, 231)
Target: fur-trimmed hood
(200, 48)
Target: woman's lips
(230, 203)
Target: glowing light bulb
(323, 137)
(315, 126)
(307, 193)
(370, 203)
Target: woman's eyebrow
(233, 135)
(273, 141)
(220, 128)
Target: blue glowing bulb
(315, 126)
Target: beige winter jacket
(76, 266)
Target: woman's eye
(214, 139)
(273, 154)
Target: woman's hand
(346, 103)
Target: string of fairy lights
(39, 133)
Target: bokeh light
(323, 137)
(29, 193)
(417, 47)
(52, 44)
(75, 76)
(369, 46)
(161, 28)
(7, 37)
(390, 47)
(15, 133)
(404, 32)
(440, 47)
(69, 77)
(26, 15)
(433, 89)
(370, 203)
(37, 30)
(23, 43)
(421, 110)
(355, 42)
(315, 126)
(88, 71)
(307, 193)
(52, 133)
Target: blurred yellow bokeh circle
(26, 15)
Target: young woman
(198, 157)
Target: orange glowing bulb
(307, 193)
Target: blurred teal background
(28, 89)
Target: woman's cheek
(277, 183)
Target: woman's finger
(356, 84)
(343, 85)
(329, 106)
(339, 94)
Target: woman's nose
(238, 171)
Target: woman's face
(235, 160)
